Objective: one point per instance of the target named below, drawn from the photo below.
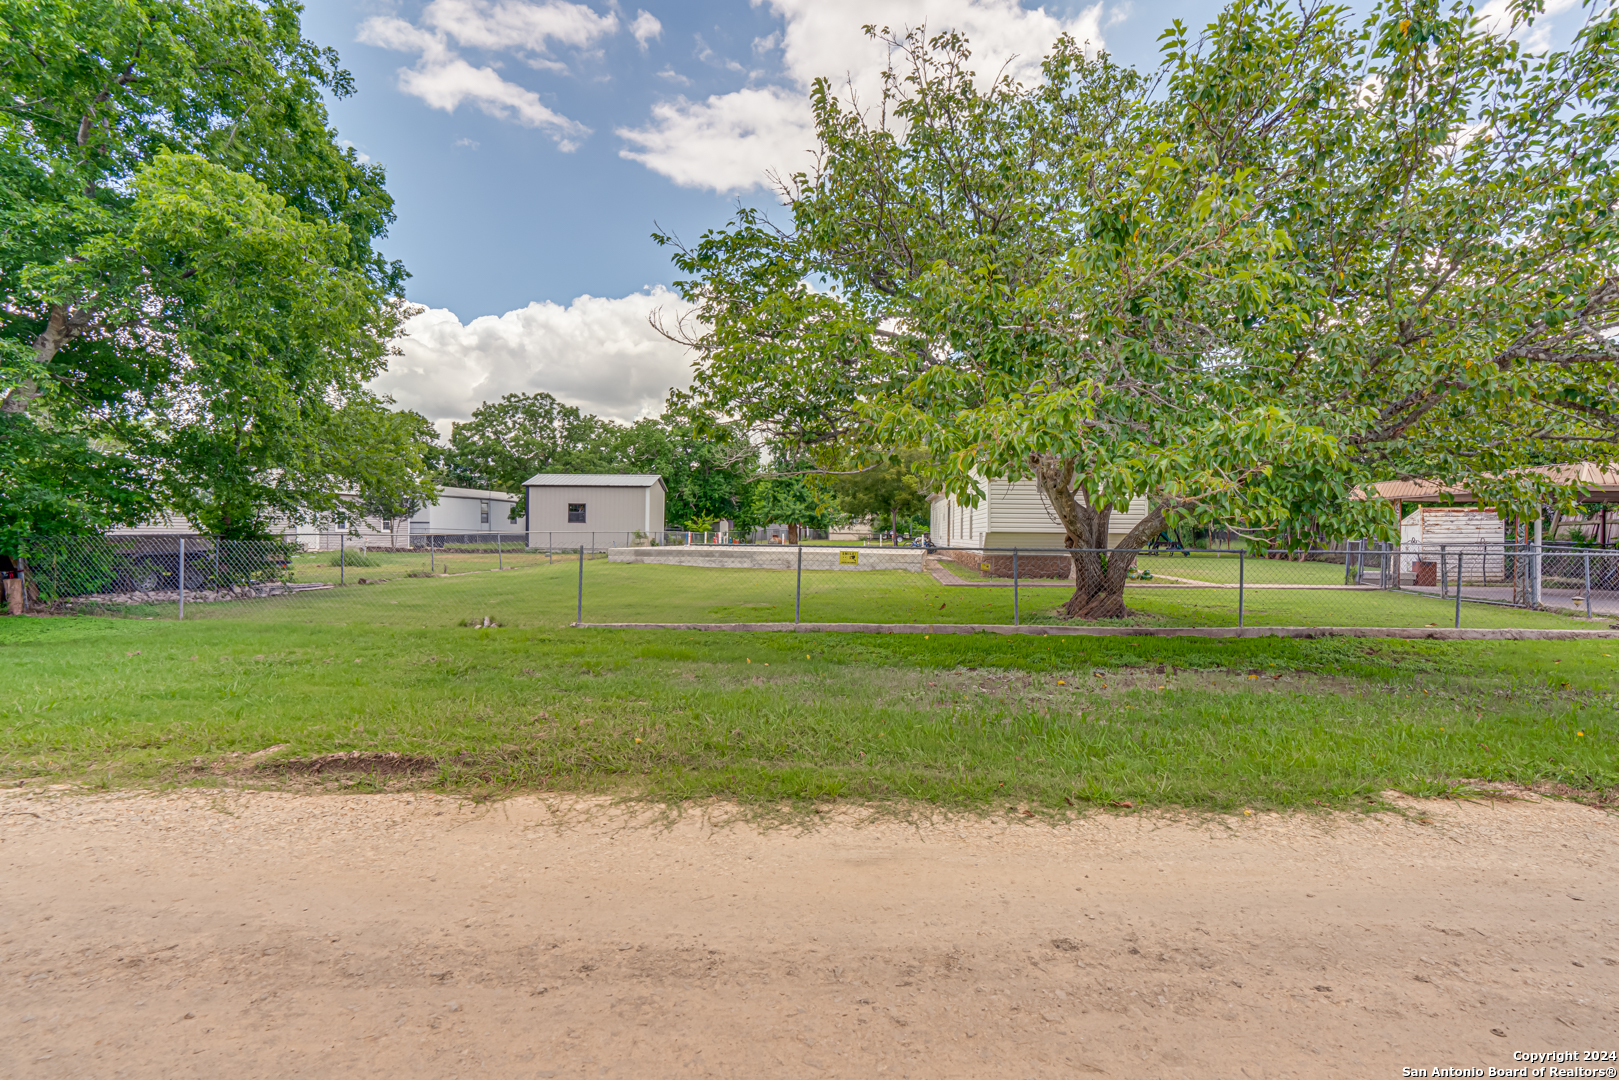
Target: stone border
(1430, 633)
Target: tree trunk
(1099, 574)
(62, 327)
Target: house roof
(474, 493)
(563, 479)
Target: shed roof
(564, 479)
(1599, 484)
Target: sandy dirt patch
(274, 935)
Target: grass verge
(965, 721)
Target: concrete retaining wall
(738, 557)
(1029, 564)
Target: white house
(1014, 514)
(468, 510)
(609, 508)
(457, 511)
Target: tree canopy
(889, 492)
(1306, 254)
(190, 298)
(708, 468)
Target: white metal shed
(565, 507)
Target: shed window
(576, 513)
(483, 511)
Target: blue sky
(531, 145)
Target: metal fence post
(579, 611)
(1014, 587)
(182, 576)
(432, 557)
(1459, 557)
(1534, 568)
(1587, 584)
(798, 589)
(342, 555)
(1242, 562)
(1444, 574)
(499, 565)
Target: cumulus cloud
(729, 142)
(597, 353)
(515, 26)
(645, 28)
(444, 79)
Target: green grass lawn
(1223, 569)
(533, 593)
(966, 721)
(323, 566)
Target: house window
(387, 524)
(576, 513)
(483, 511)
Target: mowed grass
(535, 593)
(1223, 569)
(781, 720)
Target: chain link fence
(496, 579)
(1357, 586)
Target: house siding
(1014, 514)
(457, 511)
(608, 510)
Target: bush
(352, 558)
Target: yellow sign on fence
(848, 558)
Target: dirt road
(275, 935)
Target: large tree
(707, 467)
(507, 441)
(1305, 255)
(890, 491)
(189, 294)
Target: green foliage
(1306, 256)
(708, 468)
(75, 567)
(890, 493)
(352, 558)
(193, 298)
(507, 441)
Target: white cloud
(597, 353)
(1496, 17)
(728, 142)
(708, 56)
(445, 80)
(515, 26)
(645, 28)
